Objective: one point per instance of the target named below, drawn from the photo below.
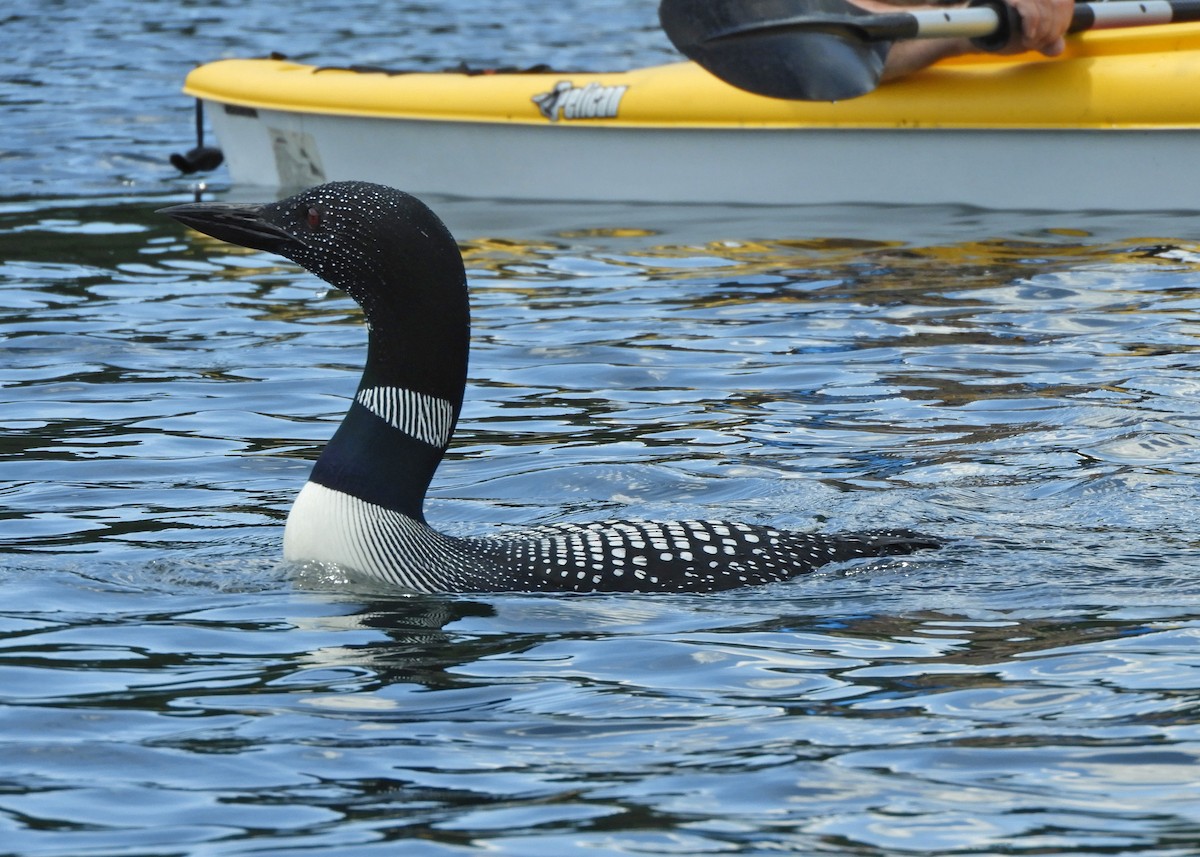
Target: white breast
(329, 526)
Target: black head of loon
(362, 508)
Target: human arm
(1044, 23)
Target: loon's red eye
(314, 217)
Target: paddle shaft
(989, 23)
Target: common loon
(362, 508)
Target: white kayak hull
(1019, 169)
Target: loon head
(383, 247)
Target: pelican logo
(568, 101)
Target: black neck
(421, 345)
(369, 459)
(418, 340)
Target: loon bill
(362, 508)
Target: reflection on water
(616, 724)
(1030, 689)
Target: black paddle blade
(827, 60)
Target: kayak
(1113, 123)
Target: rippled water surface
(1024, 384)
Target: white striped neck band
(427, 418)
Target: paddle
(829, 50)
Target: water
(1024, 384)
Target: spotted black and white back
(607, 556)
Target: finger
(1055, 47)
(1035, 30)
(1053, 19)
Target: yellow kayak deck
(1136, 78)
